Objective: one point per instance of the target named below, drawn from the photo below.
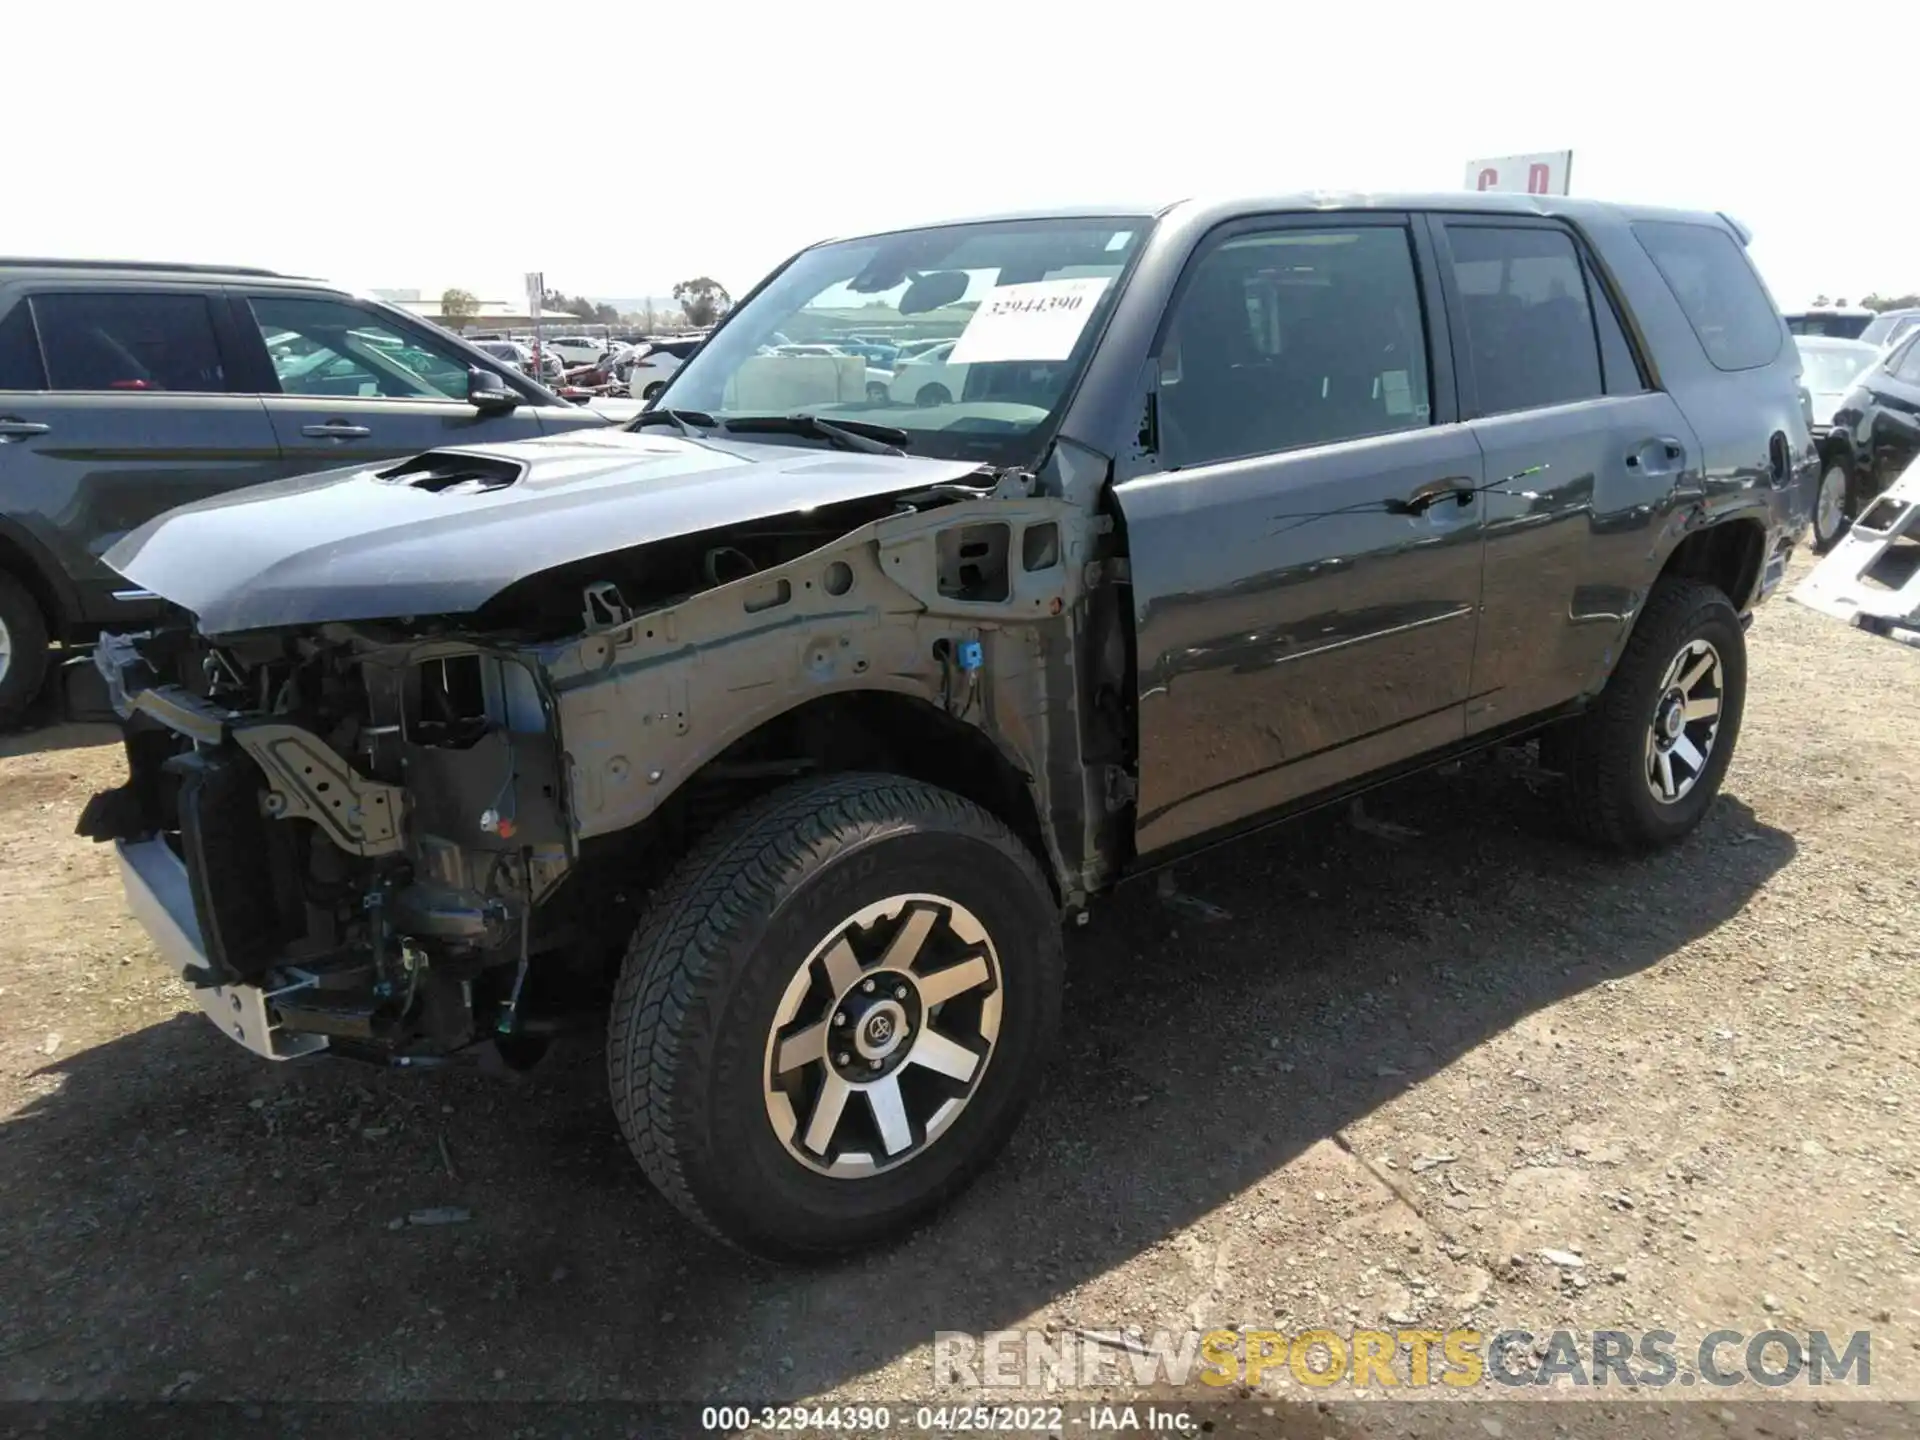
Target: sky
(619, 147)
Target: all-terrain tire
(23, 660)
(723, 938)
(1830, 520)
(1604, 753)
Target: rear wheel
(652, 390)
(1832, 505)
(931, 395)
(23, 649)
(835, 1013)
(1644, 764)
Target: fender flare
(33, 565)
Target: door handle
(336, 430)
(1455, 487)
(12, 429)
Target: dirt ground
(1408, 1058)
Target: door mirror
(488, 393)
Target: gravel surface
(1430, 1065)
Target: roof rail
(52, 263)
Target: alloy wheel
(1686, 722)
(1830, 508)
(882, 1036)
(6, 650)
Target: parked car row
(1879, 328)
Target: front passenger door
(354, 387)
(1304, 537)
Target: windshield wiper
(681, 420)
(843, 434)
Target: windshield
(1885, 329)
(1831, 368)
(1009, 309)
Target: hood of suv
(444, 532)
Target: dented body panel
(418, 540)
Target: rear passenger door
(1304, 537)
(122, 408)
(1580, 454)
(345, 384)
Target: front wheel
(1832, 506)
(23, 650)
(835, 1013)
(1644, 764)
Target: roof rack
(50, 263)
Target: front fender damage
(973, 609)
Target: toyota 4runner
(782, 728)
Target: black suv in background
(1876, 430)
(127, 389)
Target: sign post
(1545, 173)
(536, 293)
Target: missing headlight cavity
(450, 702)
(973, 561)
(1040, 547)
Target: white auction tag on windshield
(1039, 320)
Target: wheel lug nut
(842, 1059)
(899, 992)
(873, 1064)
(868, 987)
(840, 1018)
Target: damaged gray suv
(779, 731)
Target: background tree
(588, 310)
(1877, 301)
(704, 299)
(457, 307)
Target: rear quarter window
(1717, 291)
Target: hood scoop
(449, 472)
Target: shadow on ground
(173, 1213)
(70, 712)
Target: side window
(1293, 337)
(20, 351)
(1529, 323)
(1617, 362)
(1719, 293)
(109, 341)
(329, 347)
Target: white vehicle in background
(914, 349)
(577, 349)
(652, 364)
(927, 378)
